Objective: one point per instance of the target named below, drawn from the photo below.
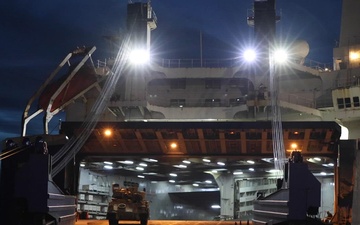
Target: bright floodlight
(280, 56)
(354, 55)
(249, 55)
(108, 132)
(139, 56)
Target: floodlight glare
(249, 55)
(139, 56)
(354, 55)
(280, 56)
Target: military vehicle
(128, 203)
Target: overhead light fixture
(139, 168)
(150, 173)
(153, 160)
(143, 164)
(207, 160)
(294, 146)
(250, 162)
(215, 207)
(82, 164)
(173, 145)
(108, 163)
(317, 159)
(251, 169)
(238, 173)
(323, 174)
(173, 174)
(208, 181)
(196, 185)
(221, 163)
(269, 160)
(107, 132)
(108, 167)
(273, 171)
(140, 176)
(128, 162)
(172, 181)
(186, 161)
(221, 169)
(180, 166)
(214, 171)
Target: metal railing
(219, 63)
(352, 80)
(223, 63)
(185, 102)
(101, 64)
(318, 65)
(197, 63)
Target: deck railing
(222, 63)
(218, 63)
(318, 65)
(197, 63)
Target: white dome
(300, 49)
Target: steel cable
(73, 146)
(277, 131)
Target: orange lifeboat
(82, 80)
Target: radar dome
(300, 49)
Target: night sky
(36, 35)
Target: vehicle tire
(113, 222)
(112, 218)
(143, 218)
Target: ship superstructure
(170, 90)
(189, 89)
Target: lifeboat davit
(82, 80)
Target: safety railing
(352, 80)
(186, 101)
(101, 64)
(318, 65)
(197, 63)
(223, 63)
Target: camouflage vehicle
(128, 204)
